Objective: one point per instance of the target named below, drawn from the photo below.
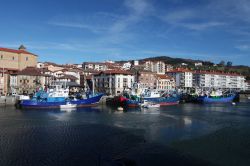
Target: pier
(7, 100)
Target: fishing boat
(132, 103)
(51, 102)
(68, 105)
(147, 104)
(164, 99)
(216, 97)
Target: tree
(229, 64)
(222, 63)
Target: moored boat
(216, 99)
(58, 103)
(147, 104)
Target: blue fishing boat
(165, 101)
(162, 99)
(132, 103)
(216, 99)
(51, 102)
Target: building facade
(218, 80)
(12, 61)
(94, 66)
(146, 80)
(27, 81)
(17, 59)
(113, 82)
(165, 82)
(155, 66)
(183, 78)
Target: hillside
(207, 65)
(176, 61)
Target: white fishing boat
(152, 106)
(68, 105)
(147, 104)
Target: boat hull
(169, 103)
(93, 101)
(216, 100)
(164, 101)
(132, 103)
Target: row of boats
(155, 98)
(59, 98)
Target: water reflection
(159, 125)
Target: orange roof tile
(15, 51)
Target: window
(27, 58)
(1, 56)
(13, 58)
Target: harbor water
(185, 134)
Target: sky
(75, 31)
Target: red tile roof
(216, 73)
(164, 77)
(15, 51)
(124, 72)
(70, 77)
(30, 71)
(179, 70)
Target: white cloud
(202, 26)
(179, 16)
(137, 9)
(243, 47)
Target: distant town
(21, 73)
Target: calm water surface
(187, 134)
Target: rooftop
(164, 76)
(30, 71)
(124, 72)
(21, 51)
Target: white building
(183, 78)
(155, 66)
(219, 80)
(113, 81)
(74, 72)
(247, 85)
(198, 64)
(40, 65)
(126, 66)
(135, 62)
(94, 66)
(165, 82)
(169, 67)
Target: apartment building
(146, 79)
(94, 66)
(113, 81)
(27, 80)
(155, 66)
(247, 85)
(218, 80)
(183, 78)
(165, 82)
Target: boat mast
(110, 83)
(93, 85)
(3, 80)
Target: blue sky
(74, 31)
